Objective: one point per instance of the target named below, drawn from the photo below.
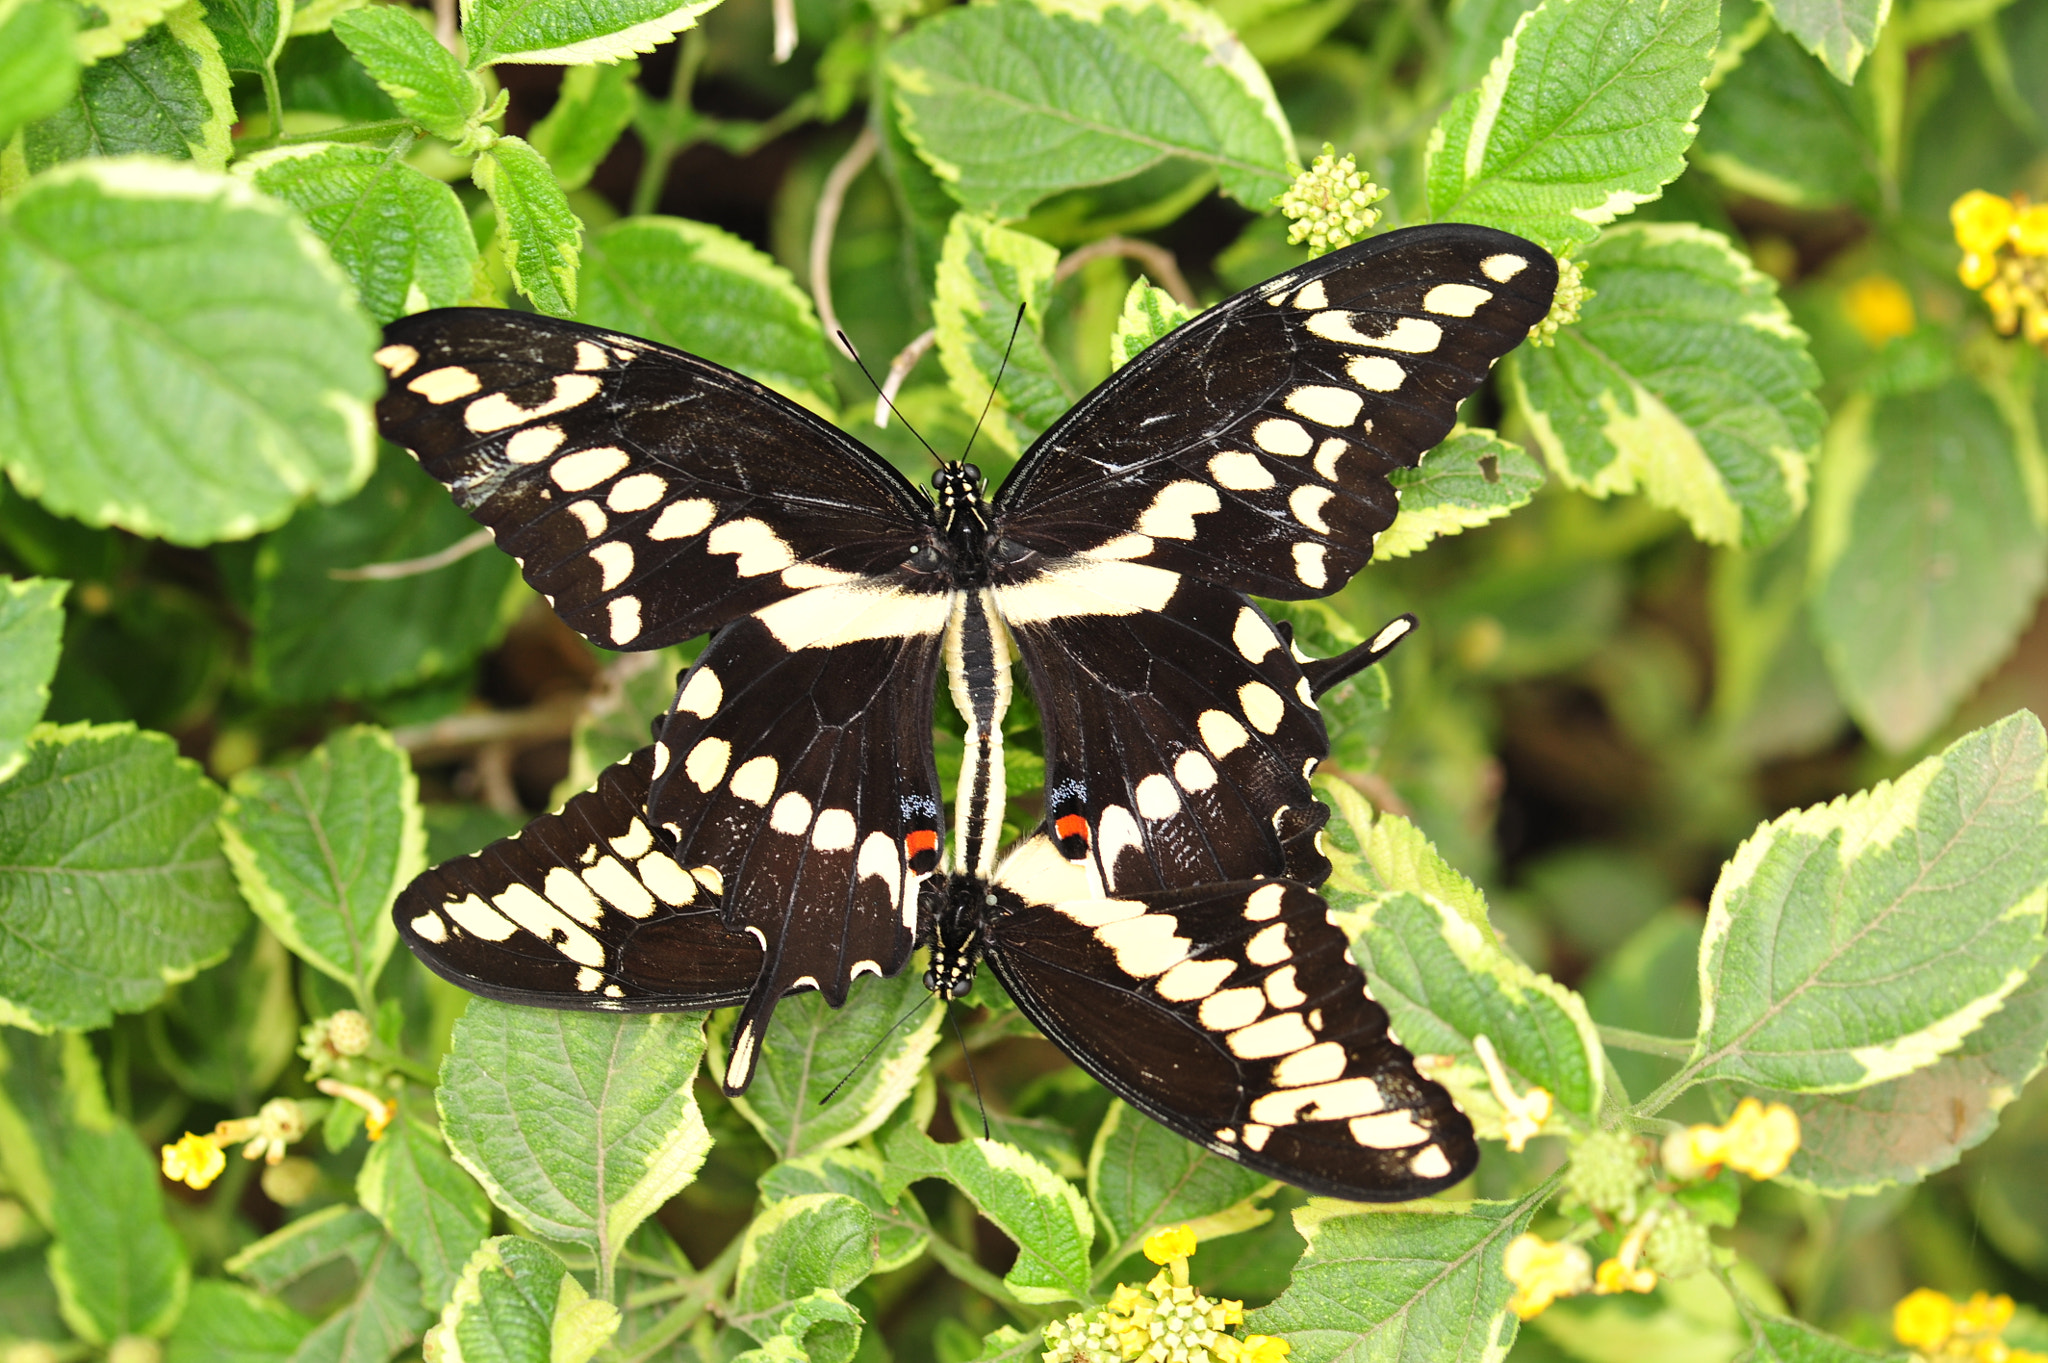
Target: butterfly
(782, 831)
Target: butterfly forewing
(586, 908)
(648, 494)
(1251, 447)
(1234, 1015)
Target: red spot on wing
(1071, 832)
(921, 850)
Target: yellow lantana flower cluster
(1330, 204)
(1940, 1329)
(2005, 259)
(197, 1160)
(1165, 1322)
(1757, 1140)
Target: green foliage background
(1746, 536)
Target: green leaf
(1013, 102)
(382, 1318)
(31, 632)
(1839, 32)
(227, 1323)
(165, 94)
(1384, 854)
(322, 847)
(1928, 555)
(112, 885)
(1472, 478)
(251, 32)
(1585, 113)
(1142, 1177)
(1149, 314)
(1399, 1285)
(317, 1238)
(316, 637)
(1780, 1339)
(518, 1303)
(594, 106)
(50, 1086)
(811, 1046)
(399, 234)
(230, 1031)
(899, 1224)
(700, 289)
(1684, 378)
(792, 1249)
(38, 65)
(436, 1212)
(231, 372)
(566, 33)
(578, 1124)
(1040, 1211)
(542, 234)
(1780, 128)
(422, 77)
(119, 1268)
(984, 274)
(1933, 884)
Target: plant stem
(706, 1288)
(273, 98)
(360, 132)
(1668, 1090)
(1622, 1039)
(961, 1265)
(668, 139)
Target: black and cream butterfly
(783, 830)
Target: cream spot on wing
(706, 764)
(1116, 832)
(1281, 1034)
(755, 780)
(1096, 913)
(1221, 734)
(660, 759)
(659, 873)
(479, 919)
(791, 815)
(1278, 435)
(1262, 706)
(1191, 980)
(878, 857)
(1268, 946)
(710, 879)
(1194, 771)
(861, 968)
(496, 412)
(681, 520)
(1317, 1064)
(1312, 296)
(636, 493)
(1324, 405)
(1174, 508)
(588, 980)
(1307, 503)
(803, 576)
(625, 618)
(615, 561)
(572, 896)
(757, 549)
(591, 517)
(534, 444)
(1455, 300)
(1252, 635)
(1308, 698)
(1325, 1102)
(1500, 269)
(1412, 335)
(1375, 373)
(1389, 1131)
(396, 359)
(547, 922)
(834, 831)
(1283, 992)
(1256, 1136)
(636, 843)
(1265, 902)
(1327, 456)
(589, 355)
(1430, 1163)
(703, 695)
(1231, 1009)
(1157, 799)
(1123, 547)
(428, 927)
(1309, 565)
(740, 1068)
(619, 888)
(587, 468)
(445, 384)
(1146, 945)
(1240, 471)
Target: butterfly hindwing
(1251, 447)
(648, 494)
(585, 908)
(1234, 1015)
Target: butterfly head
(954, 908)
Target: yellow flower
(2030, 230)
(1522, 1115)
(1227, 1313)
(378, 1113)
(194, 1161)
(1762, 1140)
(1977, 270)
(1542, 1271)
(1984, 1314)
(1125, 1301)
(1265, 1349)
(1623, 1273)
(1982, 221)
(1923, 1319)
(1880, 307)
(1162, 1247)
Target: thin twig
(1373, 787)
(785, 29)
(830, 200)
(899, 370)
(444, 25)
(1157, 260)
(453, 735)
(413, 567)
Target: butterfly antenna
(1015, 327)
(883, 394)
(861, 1063)
(968, 1056)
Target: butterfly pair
(783, 831)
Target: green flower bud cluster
(1609, 1173)
(1330, 203)
(1572, 294)
(1678, 1246)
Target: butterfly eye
(931, 981)
(939, 479)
